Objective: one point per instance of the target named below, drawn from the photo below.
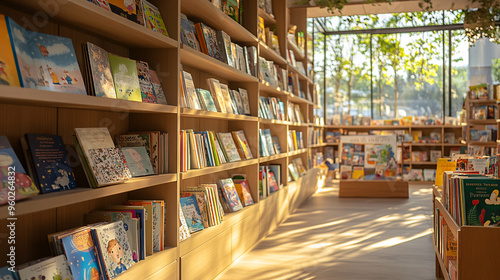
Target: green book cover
(207, 99)
(480, 202)
(126, 79)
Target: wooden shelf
(425, 144)
(274, 157)
(192, 113)
(296, 99)
(270, 54)
(297, 152)
(299, 55)
(452, 224)
(452, 145)
(301, 75)
(478, 122)
(436, 192)
(28, 96)
(199, 60)
(440, 261)
(91, 18)
(364, 127)
(332, 144)
(478, 143)
(482, 101)
(214, 169)
(268, 19)
(297, 124)
(63, 198)
(423, 163)
(317, 145)
(142, 269)
(267, 121)
(204, 11)
(265, 87)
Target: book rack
(207, 253)
(373, 188)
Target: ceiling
(356, 7)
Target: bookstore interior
(141, 138)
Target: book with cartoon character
(208, 41)
(47, 154)
(228, 190)
(158, 90)
(152, 18)
(125, 77)
(12, 174)
(82, 255)
(138, 161)
(100, 79)
(192, 213)
(147, 91)
(114, 248)
(51, 268)
(124, 8)
(480, 202)
(44, 61)
(8, 70)
(188, 33)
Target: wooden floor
(347, 238)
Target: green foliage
(473, 218)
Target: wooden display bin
(373, 188)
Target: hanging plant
(482, 22)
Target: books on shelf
(54, 267)
(125, 77)
(243, 191)
(81, 253)
(192, 214)
(271, 108)
(152, 18)
(99, 79)
(188, 33)
(229, 195)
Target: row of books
(489, 134)
(446, 244)
(269, 179)
(481, 151)
(296, 169)
(141, 12)
(485, 112)
(207, 148)
(271, 108)
(316, 136)
(403, 136)
(232, 8)
(419, 175)
(295, 140)
(295, 113)
(344, 119)
(267, 6)
(267, 35)
(422, 156)
(269, 144)
(218, 45)
(218, 99)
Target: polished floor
(347, 238)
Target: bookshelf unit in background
(476, 245)
(478, 121)
(441, 146)
(207, 253)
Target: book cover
(229, 147)
(224, 42)
(53, 171)
(126, 9)
(6, 274)
(108, 166)
(8, 70)
(11, 166)
(358, 172)
(205, 97)
(232, 9)
(154, 221)
(243, 192)
(201, 199)
(81, 252)
(245, 100)
(210, 41)
(51, 268)
(230, 194)
(157, 88)
(125, 77)
(94, 138)
(273, 184)
(242, 144)
(217, 96)
(102, 79)
(294, 172)
(148, 206)
(479, 202)
(183, 228)
(45, 61)
(138, 161)
(190, 90)
(114, 248)
(240, 55)
(188, 33)
(192, 213)
(130, 224)
(152, 18)
(145, 84)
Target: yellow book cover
(358, 173)
(443, 165)
(8, 69)
(450, 247)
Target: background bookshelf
(206, 253)
(481, 116)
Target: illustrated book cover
(145, 84)
(102, 80)
(52, 268)
(138, 161)
(229, 147)
(152, 18)
(125, 77)
(192, 213)
(82, 255)
(230, 194)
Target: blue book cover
(192, 214)
(6, 274)
(82, 256)
(138, 161)
(45, 61)
(10, 166)
(50, 161)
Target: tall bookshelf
(479, 124)
(206, 253)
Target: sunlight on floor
(396, 241)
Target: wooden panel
(477, 252)
(267, 215)
(154, 266)
(244, 235)
(170, 272)
(209, 259)
(373, 189)
(283, 205)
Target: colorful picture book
(125, 77)
(230, 195)
(243, 191)
(229, 147)
(242, 144)
(138, 161)
(152, 18)
(51, 268)
(188, 33)
(82, 255)
(8, 69)
(146, 86)
(126, 9)
(191, 213)
(101, 83)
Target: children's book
(188, 33)
(114, 248)
(148, 207)
(242, 144)
(156, 207)
(229, 147)
(190, 91)
(230, 109)
(273, 184)
(479, 202)
(6, 274)
(125, 77)
(147, 91)
(130, 224)
(8, 71)
(157, 88)
(152, 18)
(246, 102)
(229, 192)
(138, 161)
(217, 96)
(51, 268)
(126, 9)
(206, 98)
(101, 83)
(201, 199)
(208, 41)
(11, 166)
(108, 166)
(232, 9)
(82, 255)
(294, 172)
(224, 43)
(50, 162)
(45, 61)
(192, 213)
(183, 228)
(243, 192)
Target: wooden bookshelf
(268, 19)
(40, 111)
